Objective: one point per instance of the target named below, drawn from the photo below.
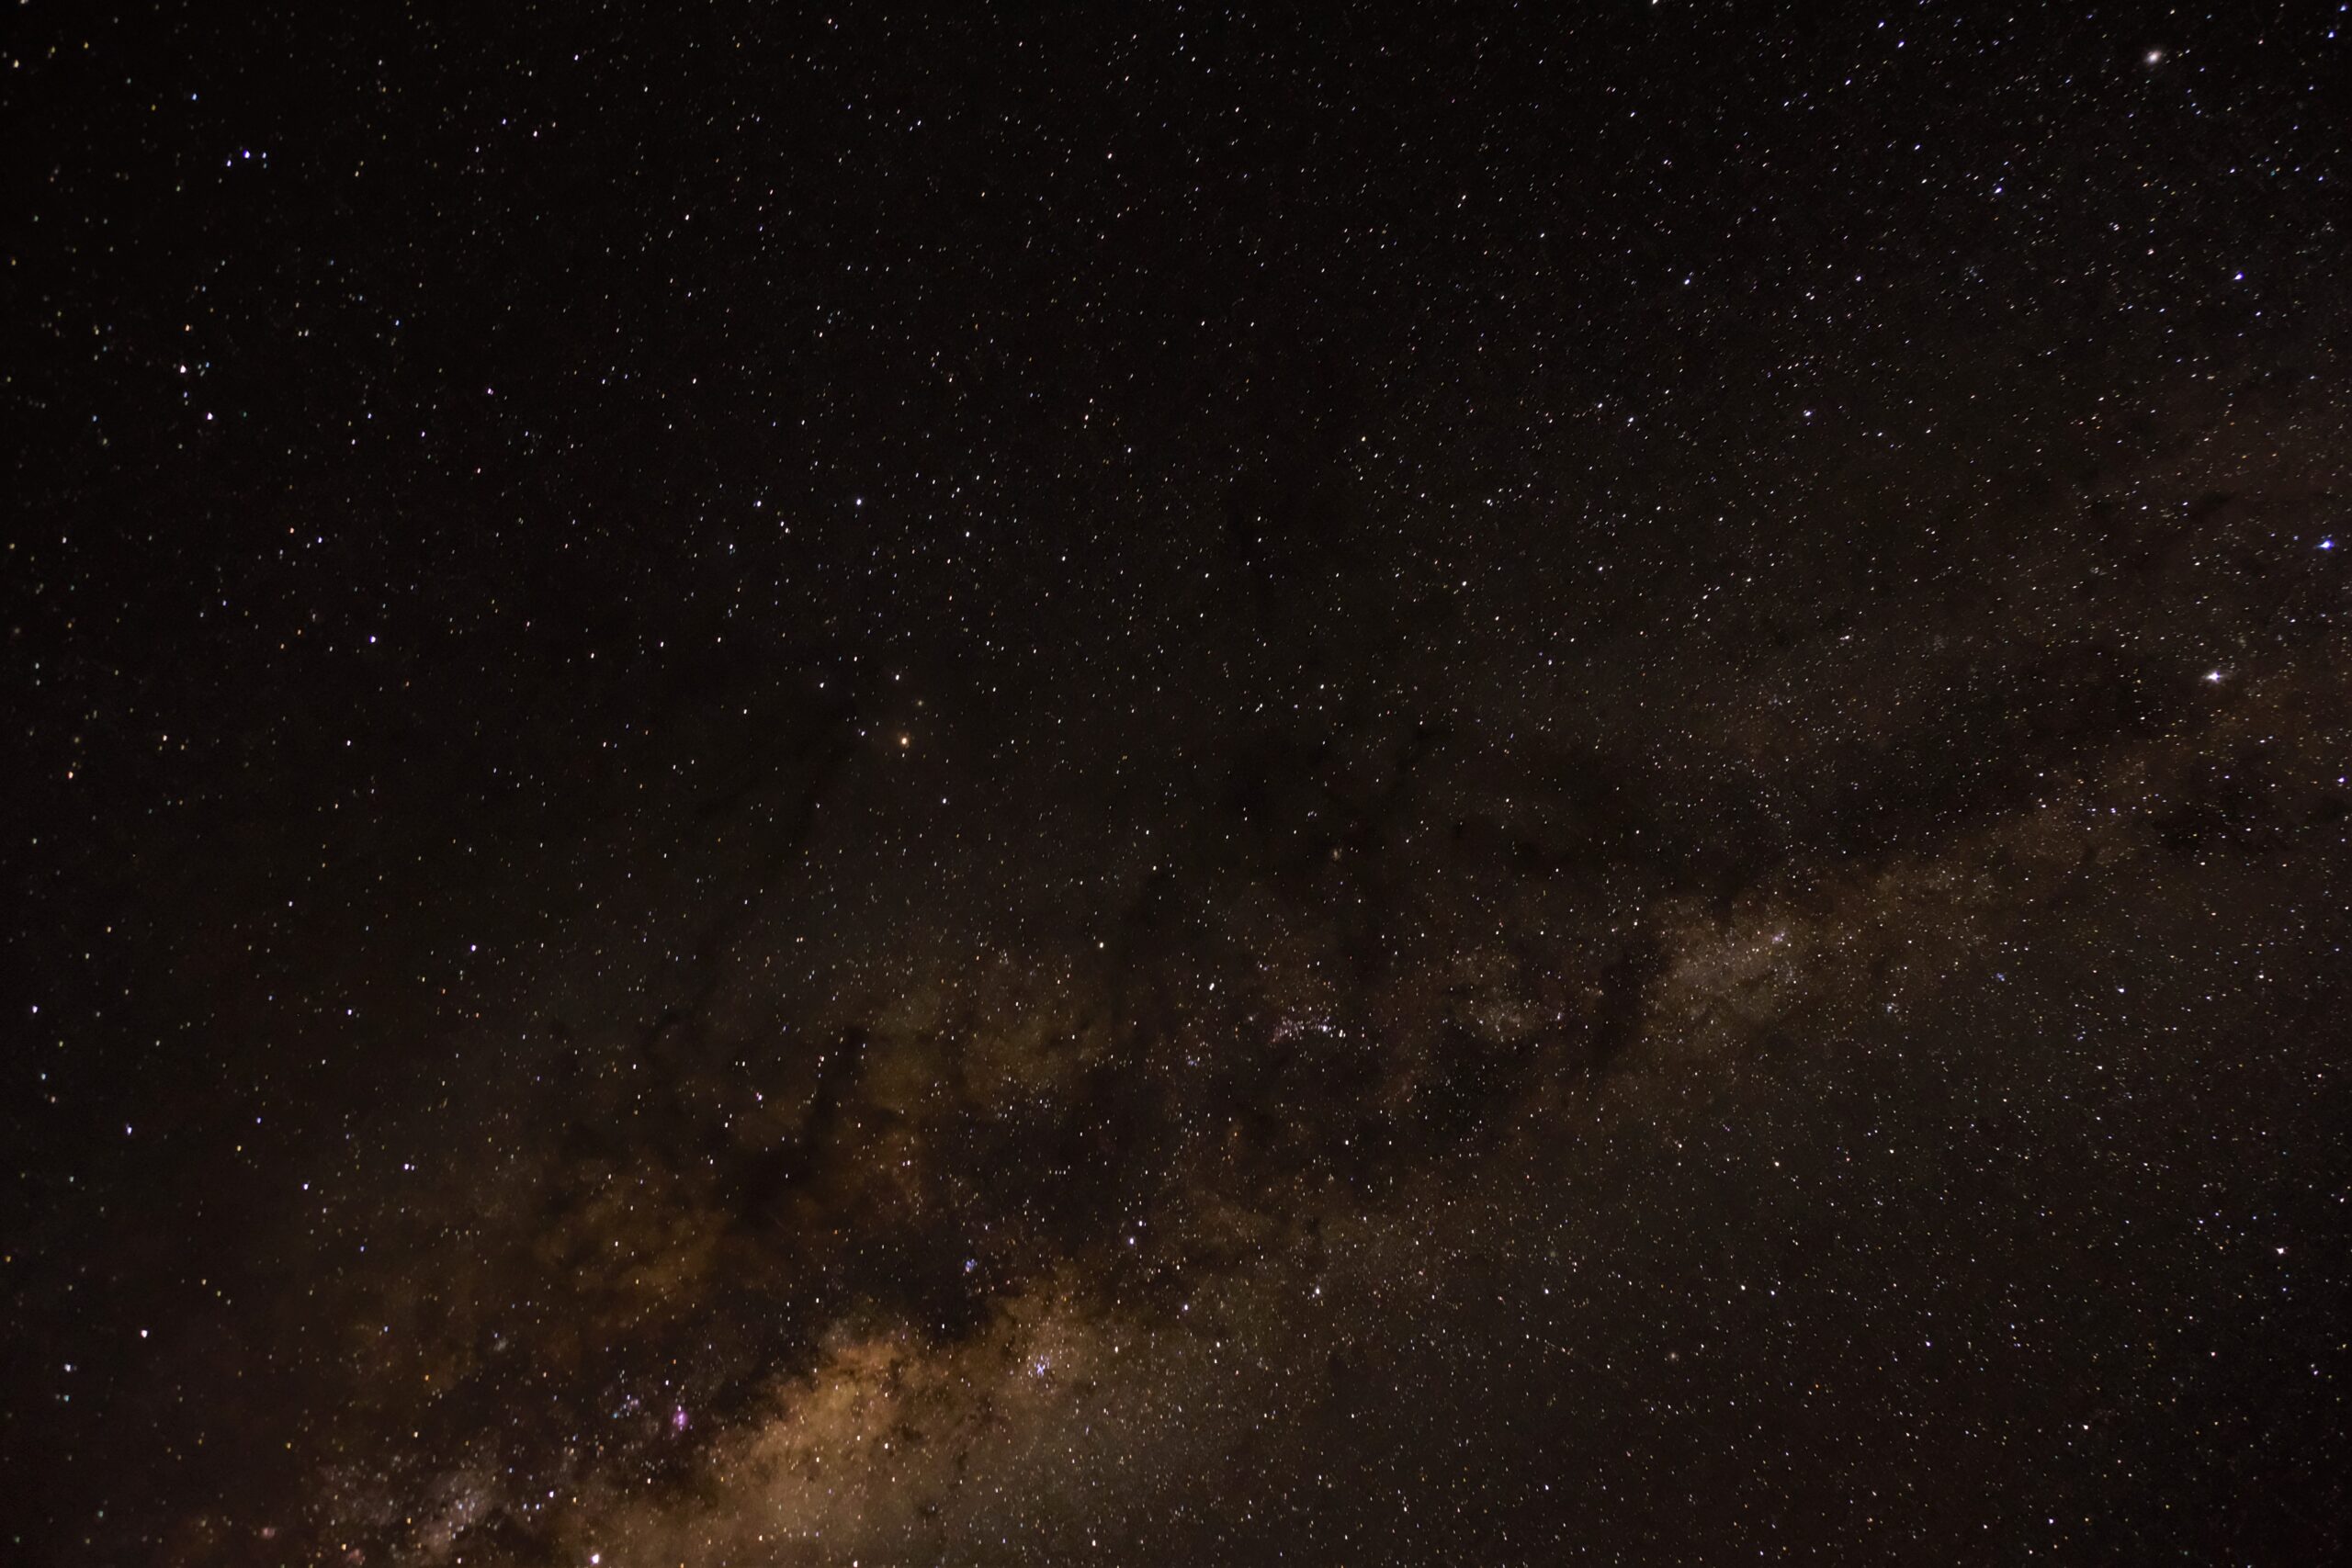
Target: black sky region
(1176, 784)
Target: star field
(1177, 785)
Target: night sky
(1172, 784)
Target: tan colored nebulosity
(1057, 1424)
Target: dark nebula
(1163, 785)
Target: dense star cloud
(1174, 788)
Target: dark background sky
(1176, 784)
